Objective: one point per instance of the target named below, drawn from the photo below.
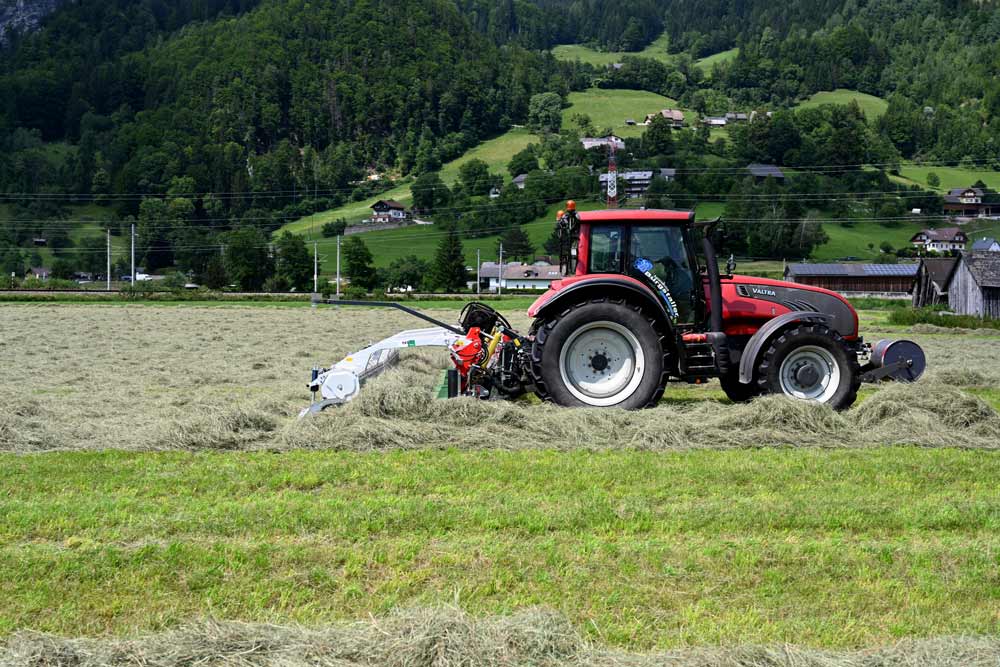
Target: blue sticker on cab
(643, 265)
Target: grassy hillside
(853, 241)
(950, 177)
(605, 108)
(708, 62)
(84, 221)
(495, 152)
(871, 106)
(611, 107)
(657, 50)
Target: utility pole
(478, 277)
(338, 267)
(315, 267)
(109, 260)
(133, 254)
(500, 272)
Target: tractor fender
(764, 335)
(561, 296)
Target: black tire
(736, 391)
(553, 334)
(800, 342)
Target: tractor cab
(654, 248)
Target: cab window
(660, 251)
(606, 249)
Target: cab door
(658, 255)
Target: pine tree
(449, 272)
(516, 244)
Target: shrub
(911, 316)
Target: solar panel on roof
(818, 270)
(890, 269)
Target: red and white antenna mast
(612, 175)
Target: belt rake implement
(644, 302)
(481, 350)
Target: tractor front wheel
(810, 362)
(599, 354)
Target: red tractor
(644, 303)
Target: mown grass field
(158, 476)
(610, 108)
(872, 106)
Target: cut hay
(450, 638)
(234, 378)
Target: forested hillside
(198, 119)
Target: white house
(388, 210)
(519, 276)
(595, 142)
(940, 240)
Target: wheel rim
(810, 373)
(602, 363)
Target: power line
(307, 193)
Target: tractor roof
(636, 215)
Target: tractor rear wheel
(810, 362)
(599, 353)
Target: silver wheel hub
(810, 373)
(602, 363)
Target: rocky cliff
(24, 15)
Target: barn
(933, 276)
(892, 280)
(975, 285)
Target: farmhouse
(517, 275)
(933, 277)
(714, 121)
(530, 276)
(668, 174)
(886, 279)
(734, 117)
(388, 210)
(603, 142)
(975, 285)
(39, 272)
(519, 181)
(940, 240)
(675, 116)
(970, 202)
(985, 245)
(635, 183)
(763, 171)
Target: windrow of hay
(394, 412)
(445, 637)
(147, 378)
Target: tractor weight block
(905, 354)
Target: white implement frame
(343, 381)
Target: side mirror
(730, 265)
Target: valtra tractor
(643, 303)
